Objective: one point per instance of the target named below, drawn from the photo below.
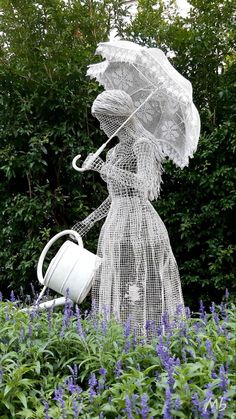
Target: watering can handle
(47, 247)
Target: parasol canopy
(161, 95)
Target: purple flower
(223, 378)
(165, 322)
(127, 328)
(0, 296)
(102, 380)
(74, 372)
(102, 371)
(188, 312)
(76, 409)
(106, 315)
(1, 374)
(195, 402)
(180, 310)
(177, 403)
(21, 335)
(134, 339)
(30, 331)
(92, 384)
(78, 323)
(70, 385)
(183, 328)
(118, 368)
(127, 332)
(46, 409)
(58, 396)
(191, 353)
(202, 311)
(208, 398)
(162, 352)
(150, 326)
(68, 313)
(134, 399)
(183, 351)
(101, 415)
(128, 407)
(93, 310)
(213, 375)
(212, 307)
(170, 370)
(167, 406)
(92, 381)
(223, 403)
(12, 297)
(49, 317)
(144, 406)
(209, 348)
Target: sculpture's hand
(92, 163)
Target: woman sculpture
(138, 278)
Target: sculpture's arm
(84, 226)
(145, 162)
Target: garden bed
(59, 364)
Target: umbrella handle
(81, 169)
(74, 165)
(76, 158)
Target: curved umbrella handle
(74, 161)
(82, 169)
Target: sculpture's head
(112, 108)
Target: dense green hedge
(45, 119)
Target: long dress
(138, 278)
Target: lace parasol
(161, 95)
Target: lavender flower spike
(118, 368)
(12, 297)
(128, 408)
(144, 406)
(167, 414)
(223, 378)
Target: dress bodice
(122, 157)
(133, 168)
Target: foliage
(197, 203)
(62, 365)
(45, 101)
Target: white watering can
(70, 272)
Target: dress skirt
(138, 278)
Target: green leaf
(22, 398)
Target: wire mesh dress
(138, 278)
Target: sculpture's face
(110, 124)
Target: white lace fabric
(170, 114)
(138, 278)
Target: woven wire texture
(138, 279)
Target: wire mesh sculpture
(138, 278)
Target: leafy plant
(56, 364)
